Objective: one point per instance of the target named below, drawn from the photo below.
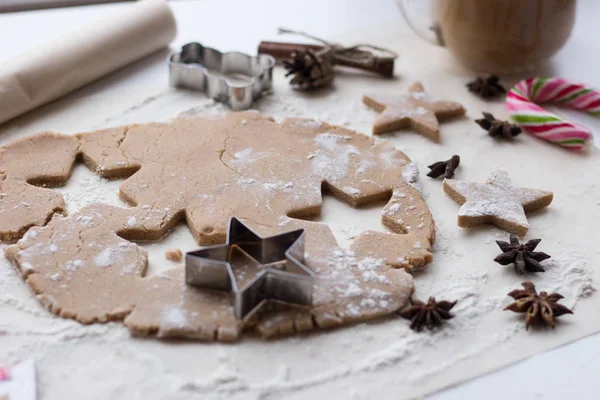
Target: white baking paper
(83, 55)
(20, 382)
(381, 359)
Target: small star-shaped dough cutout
(414, 110)
(497, 202)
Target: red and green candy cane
(5, 374)
(522, 105)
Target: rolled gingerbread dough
(86, 266)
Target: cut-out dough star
(414, 110)
(497, 202)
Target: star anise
(445, 168)
(522, 255)
(496, 127)
(309, 70)
(430, 314)
(487, 88)
(542, 307)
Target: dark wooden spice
(445, 168)
(487, 87)
(312, 65)
(430, 314)
(542, 307)
(496, 127)
(522, 256)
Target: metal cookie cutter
(236, 79)
(279, 275)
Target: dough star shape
(414, 110)
(201, 172)
(275, 270)
(497, 202)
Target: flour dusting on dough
(382, 348)
(105, 258)
(174, 317)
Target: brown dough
(414, 110)
(43, 159)
(175, 255)
(104, 145)
(79, 267)
(83, 266)
(497, 202)
(23, 205)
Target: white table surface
(571, 371)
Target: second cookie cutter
(234, 78)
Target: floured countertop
(383, 358)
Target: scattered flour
(349, 230)
(246, 181)
(30, 234)
(325, 164)
(174, 317)
(312, 155)
(230, 371)
(570, 274)
(247, 156)
(351, 190)
(330, 141)
(105, 258)
(278, 186)
(389, 158)
(73, 265)
(310, 124)
(353, 290)
(410, 174)
(85, 188)
(391, 210)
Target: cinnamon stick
(283, 51)
(383, 66)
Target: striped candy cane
(4, 374)
(522, 105)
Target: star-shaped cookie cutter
(234, 78)
(282, 275)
